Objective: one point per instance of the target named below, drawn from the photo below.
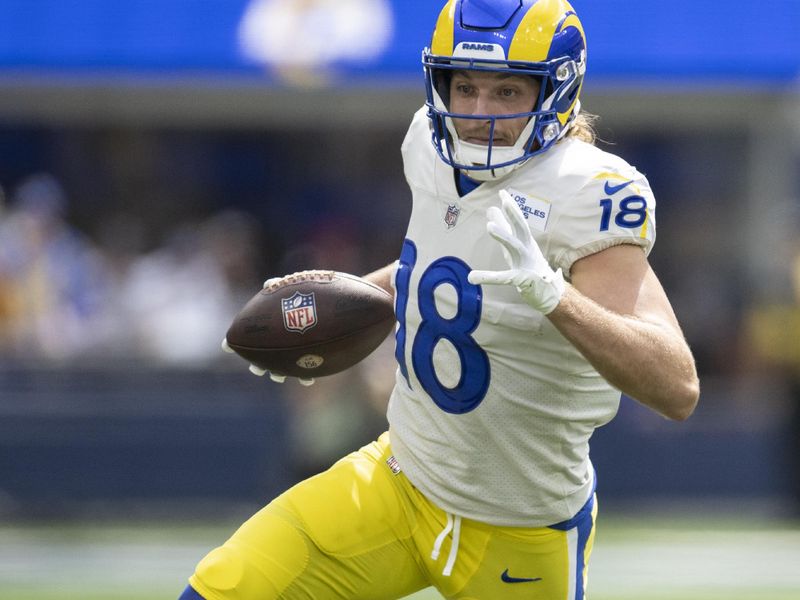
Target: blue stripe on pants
(190, 594)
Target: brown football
(312, 324)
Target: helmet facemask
(559, 83)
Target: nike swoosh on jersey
(509, 579)
(613, 189)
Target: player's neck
(464, 184)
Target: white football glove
(255, 370)
(535, 280)
(261, 372)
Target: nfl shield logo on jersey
(299, 312)
(451, 216)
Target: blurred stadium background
(160, 158)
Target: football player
(525, 303)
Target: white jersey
(493, 408)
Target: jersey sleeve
(417, 150)
(612, 207)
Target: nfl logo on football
(452, 215)
(299, 312)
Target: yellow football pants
(361, 531)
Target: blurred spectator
(235, 240)
(62, 298)
(6, 302)
(332, 243)
(55, 281)
(179, 299)
(773, 334)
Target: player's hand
(535, 280)
(255, 370)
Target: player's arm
(617, 314)
(382, 277)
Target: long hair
(582, 127)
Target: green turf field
(634, 559)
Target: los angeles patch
(535, 210)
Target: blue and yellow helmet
(539, 38)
